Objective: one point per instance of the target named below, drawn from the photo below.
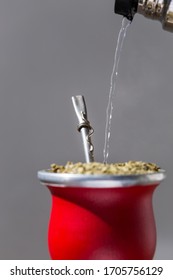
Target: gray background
(49, 51)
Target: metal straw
(84, 126)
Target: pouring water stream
(120, 41)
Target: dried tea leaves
(126, 168)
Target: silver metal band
(99, 181)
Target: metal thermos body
(161, 10)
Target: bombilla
(84, 126)
(161, 10)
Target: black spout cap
(126, 8)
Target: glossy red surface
(106, 223)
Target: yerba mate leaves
(122, 168)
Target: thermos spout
(161, 10)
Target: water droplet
(91, 148)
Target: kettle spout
(126, 8)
